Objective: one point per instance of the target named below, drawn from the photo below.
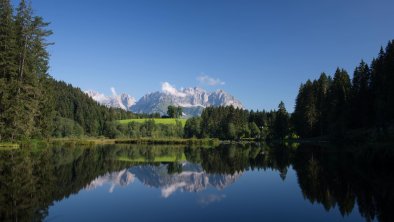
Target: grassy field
(8, 146)
(168, 121)
(82, 141)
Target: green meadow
(8, 146)
(167, 121)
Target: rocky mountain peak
(193, 100)
(123, 101)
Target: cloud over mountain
(193, 100)
(166, 87)
(208, 80)
(123, 101)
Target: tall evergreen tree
(322, 87)
(379, 89)
(25, 109)
(24, 87)
(281, 124)
(305, 116)
(174, 111)
(44, 118)
(339, 101)
(361, 101)
(7, 42)
(193, 127)
(389, 72)
(8, 65)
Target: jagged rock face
(122, 101)
(127, 100)
(192, 179)
(193, 100)
(122, 178)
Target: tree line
(231, 123)
(328, 106)
(32, 103)
(149, 128)
(76, 114)
(35, 180)
(24, 67)
(334, 105)
(174, 111)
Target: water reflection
(191, 178)
(121, 178)
(205, 200)
(30, 181)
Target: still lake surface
(175, 183)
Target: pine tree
(45, 117)
(389, 72)
(305, 116)
(8, 66)
(254, 130)
(7, 42)
(339, 100)
(22, 87)
(361, 101)
(26, 109)
(281, 124)
(379, 89)
(323, 85)
(311, 111)
(382, 80)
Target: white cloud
(167, 191)
(168, 88)
(117, 98)
(114, 94)
(205, 79)
(210, 198)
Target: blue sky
(259, 51)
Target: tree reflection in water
(334, 177)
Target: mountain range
(193, 100)
(122, 101)
(192, 179)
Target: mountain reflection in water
(191, 179)
(344, 180)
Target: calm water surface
(227, 183)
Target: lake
(176, 183)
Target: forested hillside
(231, 123)
(333, 106)
(77, 114)
(24, 99)
(32, 104)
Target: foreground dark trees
(333, 106)
(32, 104)
(328, 106)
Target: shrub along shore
(8, 146)
(165, 141)
(99, 141)
(158, 141)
